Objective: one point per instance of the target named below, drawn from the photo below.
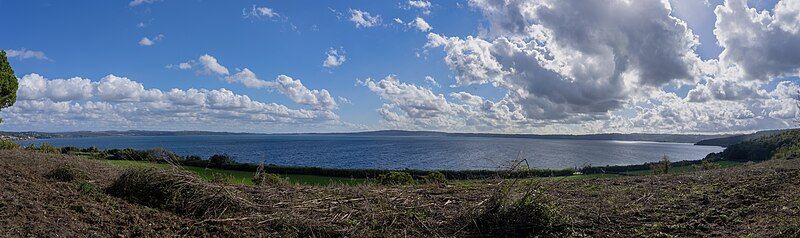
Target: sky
(513, 66)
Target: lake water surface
(393, 152)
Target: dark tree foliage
(8, 83)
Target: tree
(8, 83)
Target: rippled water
(383, 152)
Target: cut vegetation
(52, 193)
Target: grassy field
(241, 177)
(686, 168)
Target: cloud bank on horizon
(521, 66)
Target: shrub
(220, 160)
(177, 191)
(528, 216)
(264, 178)
(8, 145)
(661, 167)
(435, 177)
(65, 174)
(395, 178)
(708, 165)
(69, 150)
(91, 149)
(47, 148)
(269, 179)
(31, 147)
(193, 158)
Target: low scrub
(177, 191)
(65, 174)
(8, 145)
(435, 177)
(45, 147)
(395, 178)
(530, 215)
(661, 167)
(264, 178)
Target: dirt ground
(761, 200)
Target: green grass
(685, 168)
(241, 177)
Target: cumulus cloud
(118, 102)
(293, 89)
(423, 5)
(420, 24)
(334, 58)
(210, 65)
(25, 54)
(364, 19)
(609, 71)
(558, 68)
(762, 44)
(148, 42)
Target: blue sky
(93, 40)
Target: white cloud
(334, 58)
(148, 42)
(364, 19)
(293, 89)
(763, 45)
(117, 102)
(432, 81)
(398, 21)
(556, 68)
(420, 24)
(140, 2)
(259, 12)
(25, 54)
(211, 66)
(423, 5)
(344, 100)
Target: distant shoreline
(678, 138)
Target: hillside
(49, 194)
(730, 140)
(764, 146)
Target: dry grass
(759, 200)
(179, 191)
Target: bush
(47, 148)
(707, 165)
(65, 174)
(395, 178)
(528, 216)
(264, 178)
(269, 179)
(70, 150)
(661, 167)
(177, 191)
(8, 145)
(435, 177)
(220, 160)
(193, 158)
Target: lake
(399, 152)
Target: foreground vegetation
(63, 191)
(47, 193)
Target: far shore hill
(701, 139)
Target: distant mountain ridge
(679, 138)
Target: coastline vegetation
(148, 188)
